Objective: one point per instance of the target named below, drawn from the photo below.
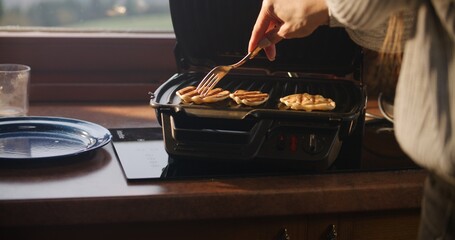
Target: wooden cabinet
(398, 225)
(92, 200)
(379, 226)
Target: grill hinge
(335, 119)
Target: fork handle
(262, 44)
(269, 39)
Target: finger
(261, 26)
(270, 52)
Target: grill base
(287, 145)
(266, 135)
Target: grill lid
(214, 32)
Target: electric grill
(216, 32)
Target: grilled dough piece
(189, 94)
(249, 98)
(308, 102)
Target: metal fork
(216, 74)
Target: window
(118, 15)
(89, 49)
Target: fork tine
(206, 78)
(205, 84)
(210, 83)
(206, 81)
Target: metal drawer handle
(332, 232)
(283, 235)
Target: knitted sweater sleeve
(365, 14)
(366, 21)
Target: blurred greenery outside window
(129, 16)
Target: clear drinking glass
(14, 84)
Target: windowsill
(67, 33)
(108, 114)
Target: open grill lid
(215, 32)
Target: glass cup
(14, 84)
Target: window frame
(91, 66)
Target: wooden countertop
(96, 191)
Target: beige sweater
(424, 113)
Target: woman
(424, 106)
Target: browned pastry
(308, 102)
(249, 98)
(190, 95)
